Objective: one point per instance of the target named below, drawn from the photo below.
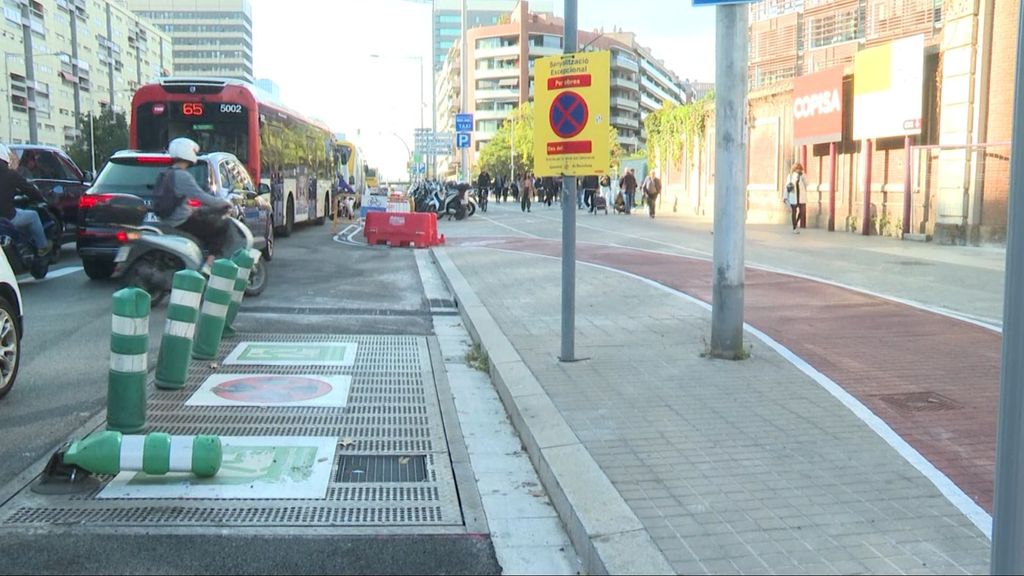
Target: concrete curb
(608, 536)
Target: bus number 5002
(231, 108)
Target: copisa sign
(818, 107)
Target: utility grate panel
(919, 402)
(392, 414)
(358, 468)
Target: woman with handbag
(796, 195)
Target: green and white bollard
(244, 260)
(210, 329)
(180, 329)
(129, 346)
(111, 453)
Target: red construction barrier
(415, 229)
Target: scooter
(18, 247)
(155, 252)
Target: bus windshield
(215, 127)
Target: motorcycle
(155, 252)
(17, 245)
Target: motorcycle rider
(204, 222)
(11, 184)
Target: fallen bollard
(245, 261)
(111, 452)
(210, 329)
(180, 329)
(129, 348)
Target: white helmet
(183, 149)
(5, 154)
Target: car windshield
(139, 179)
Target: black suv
(122, 196)
(58, 178)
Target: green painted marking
(294, 353)
(243, 465)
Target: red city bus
(291, 157)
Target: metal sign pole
(569, 223)
(1008, 508)
(730, 180)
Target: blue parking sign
(462, 140)
(463, 122)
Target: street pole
(10, 105)
(1008, 508)
(30, 75)
(512, 151)
(464, 81)
(423, 104)
(433, 94)
(730, 180)
(569, 220)
(74, 64)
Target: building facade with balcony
(87, 55)
(212, 38)
(957, 174)
(500, 74)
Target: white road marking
(52, 275)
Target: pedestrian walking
(605, 187)
(628, 185)
(796, 196)
(526, 193)
(652, 190)
(589, 189)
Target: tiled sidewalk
(744, 467)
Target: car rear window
(139, 179)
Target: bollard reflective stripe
(129, 326)
(187, 299)
(222, 284)
(214, 309)
(181, 453)
(128, 363)
(180, 329)
(130, 454)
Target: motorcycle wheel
(470, 209)
(39, 267)
(257, 280)
(154, 273)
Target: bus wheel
(289, 220)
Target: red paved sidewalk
(931, 378)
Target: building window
(545, 40)
(499, 42)
(835, 28)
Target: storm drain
(391, 465)
(389, 469)
(919, 402)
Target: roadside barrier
(245, 261)
(416, 229)
(210, 328)
(180, 329)
(110, 453)
(129, 348)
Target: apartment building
(500, 74)
(211, 38)
(950, 157)
(447, 20)
(86, 54)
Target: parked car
(58, 178)
(113, 203)
(11, 327)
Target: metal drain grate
(357, 468)
(919, 402)
(442, 303)
(392, 415)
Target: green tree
(109, 132)
(673, 129)
(496, 155)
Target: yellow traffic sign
(571, 114)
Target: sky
(324, 68)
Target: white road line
(976, 514)
(495, 222)
(51, 275)
(980, 321)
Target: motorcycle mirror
(88, 177)
(264, 188)
(251, 195)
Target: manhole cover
(919, 402)
(356, 468)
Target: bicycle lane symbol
(568, 115)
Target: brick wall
(1000, 101)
